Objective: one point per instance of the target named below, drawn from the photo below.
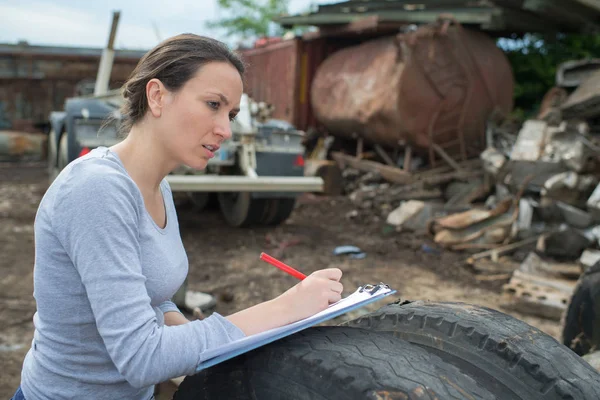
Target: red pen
(282, 266)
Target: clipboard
(361, 297)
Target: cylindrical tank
(434, 85)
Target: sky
(86, 23)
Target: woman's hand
(314, 294)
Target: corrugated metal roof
(33, 50)
(518, 16)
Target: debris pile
(527, 209)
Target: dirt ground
(225, 261)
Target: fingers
(337, 287)
(334, 297)
(329, 273)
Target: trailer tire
(581, 320)
(52, 157)
(63, 152)
(240, 209)
(333, 363)
(200, 200)
(278, 210)
(519, 361)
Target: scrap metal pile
(526, 211)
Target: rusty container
(272, 76)
(436, 85)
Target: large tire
(63, 152)
(278, 210)
(240, 209)
(581, 321)
(516, 360)
(200, 200)
(333, 363)
(52, 157)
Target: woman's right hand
(312, 295)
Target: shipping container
(281, 74)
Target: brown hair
(173, 61)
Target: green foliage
(250, 18)
(534, 60)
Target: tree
(534, 60)
(250, 18)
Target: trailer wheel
(333, 363)
(239, 209)
(52, 155)
(200, 200)
(517, 360)
(63, 152)
(581, 321)
(278, 210)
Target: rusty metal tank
(438, 84)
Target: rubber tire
(333, 363)
(200, 200)
(278, 210)
(243, 211)
(52, 157)
(517, 360)
(63, 155)
(581, 320)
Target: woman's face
(195, 120)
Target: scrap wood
(473, 164)
(563, 285)
(476, 226)
(501, 250)
(446, 157)
(485, 265)
(475, 246)
(419, 194)
(535, 265)
(392, 174)
(447, 177)
(495, 277)
(382, 153)
(468, 218)
(494, 230)
(469, 195)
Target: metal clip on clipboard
(372, 289)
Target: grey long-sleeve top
(103, 277)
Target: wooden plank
(384, 155)
(408, 158)
(392, 174)
(440, 152)
(502, 249)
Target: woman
(108, 255)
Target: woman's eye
(213, 104)
(232, 117)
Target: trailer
(256, 176)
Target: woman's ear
(155, 93)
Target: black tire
(200, 200)
(240, 209)
(517, 360)
(63, 152)
(333, 363)
(581, 320)
(278, 210)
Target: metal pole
(106, 61)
